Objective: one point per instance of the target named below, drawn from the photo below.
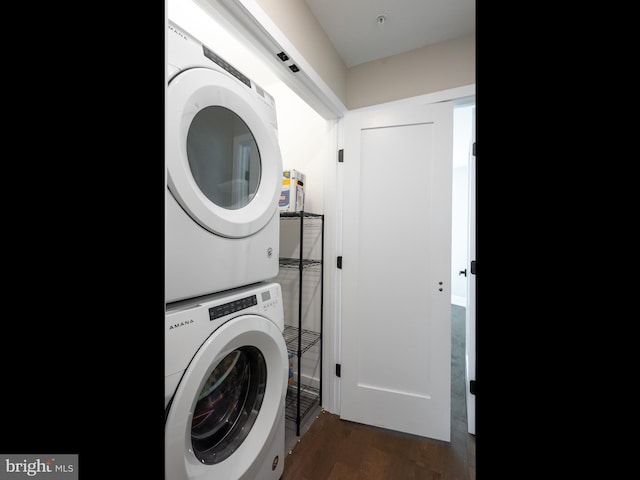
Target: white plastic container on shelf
(292, 193)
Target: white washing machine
(226, 370)
(224, 174)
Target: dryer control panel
(218, 60)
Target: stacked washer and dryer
(226, 362)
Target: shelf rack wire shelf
(308, 399)
(301, 398)
(295, 263)
(307, 339)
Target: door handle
(463, 272)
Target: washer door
(224, 165)
(228, 403)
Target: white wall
(303, 141)
(424, 70)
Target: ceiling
(360, 36)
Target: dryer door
(224, 165)
(228, 405)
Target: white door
(470, 340)
(396, 319)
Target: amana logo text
(180, 324)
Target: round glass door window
(223, 157)
(228, 405)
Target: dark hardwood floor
(335, 449)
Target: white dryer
(224, 174)
(226, 370)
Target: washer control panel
(265, 300)
(268, 300)
(232, 307)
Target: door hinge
(341, 155)
(338, 369)
(472, 387)
(474, 149)
(473, 267)
(339, 262)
